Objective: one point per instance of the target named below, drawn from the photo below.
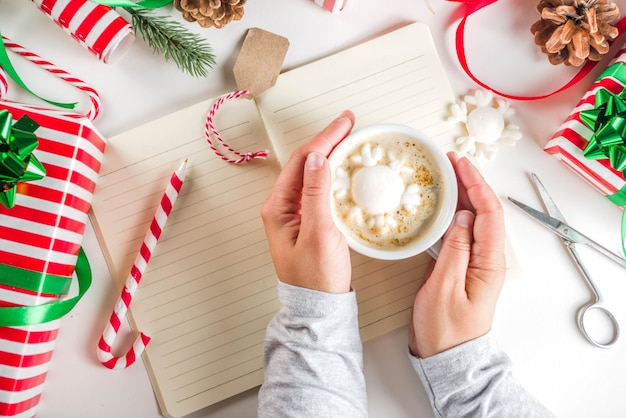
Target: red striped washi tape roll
(97, 27)
(334, 6)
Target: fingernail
(344, 117)
(314, 161)
(464, 218)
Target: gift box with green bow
(592, 140)
(49, 163)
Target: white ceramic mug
(447, 193)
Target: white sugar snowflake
(486, 124)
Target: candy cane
(209, 128)
(51, 68)
(136, 273)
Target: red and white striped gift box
(334, 6)
(43, 233)
(97, 27)
(568, 143)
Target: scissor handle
(581, 324)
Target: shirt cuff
(303, 302)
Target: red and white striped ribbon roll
(334, 6)
(209, 129)
(136, 273)
(97, 27)
(93, 95)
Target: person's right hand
(456, 303)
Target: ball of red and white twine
(209, 129)
(94, 98)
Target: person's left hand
(307, 249)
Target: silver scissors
(555, 221)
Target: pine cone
(572, 31)
(209, 13)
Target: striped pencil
(136, 273)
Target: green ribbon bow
(17, 162)
(608, 122)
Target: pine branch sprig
(172, 40)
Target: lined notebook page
(396, 78)
(210, 288)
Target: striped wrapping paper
(334, 6)
(43, 233)
(97, 27)
(572, 137)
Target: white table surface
(535, 318)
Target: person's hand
(456, 303)
(307, 249)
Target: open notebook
(210, 288)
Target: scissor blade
(567, 232)
(545, 220)
(548, 203)
(578, 237)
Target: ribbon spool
(98, 28)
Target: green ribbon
(5, 63)
(17, 162)
(13, 316)
(34, 281)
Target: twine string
(210, 130)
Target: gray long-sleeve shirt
(314, 366)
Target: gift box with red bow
(592, 141)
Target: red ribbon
(472, 6)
